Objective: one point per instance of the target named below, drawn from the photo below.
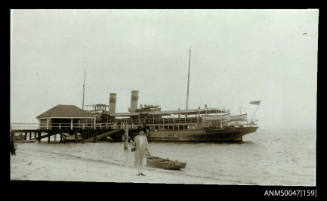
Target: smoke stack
(112, 103)
(134, 100)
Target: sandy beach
(29, 164)
(253, 162)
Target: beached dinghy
(157, 162)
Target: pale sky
(237, 56)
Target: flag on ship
(255, 102)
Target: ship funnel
(112, 103)
(134, 100)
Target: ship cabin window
(180, 127)
(170, 127)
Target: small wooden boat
(28, 141)
(19, 138)
(157, 162)
(71, 138)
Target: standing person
(12, 142)
(126, 138)
(141, 152)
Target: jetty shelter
(66, 117)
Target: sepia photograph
(168, 96)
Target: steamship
(192, 125)
(187, 125)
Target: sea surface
(267, 157)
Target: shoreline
(46, 166)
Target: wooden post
(30, 137)
(198, 116)
(87, 134)
(95, 136)
(75, 133)
(39, 137)
(60, 137)
(48, 137)
(25, 136)
(47, 123)
(83, 136)
(55, 136)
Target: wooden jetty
(74, 135)
(69, 123)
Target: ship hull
(201, 135)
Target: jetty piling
(39, 137)
(95, 136)
(75, 133)
(83, 137)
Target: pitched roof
(65, 111)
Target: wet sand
(39, 166)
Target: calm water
(267, 157)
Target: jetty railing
(65, 126)
(109, 125)
(23, 126)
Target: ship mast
(83, 91)
(188, 78)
